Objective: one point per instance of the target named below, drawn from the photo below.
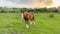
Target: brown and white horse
(28, 16)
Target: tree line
(36, 10)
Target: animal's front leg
(27, 26)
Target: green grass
(11, 23)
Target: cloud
(21, 1)
(4, 3)
(25, 3)
(46, 2)
(55, 3)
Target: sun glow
(56, 3)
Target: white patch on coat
(22, 15)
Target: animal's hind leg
(33, 20)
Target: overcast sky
(29, 3)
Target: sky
(29, 3)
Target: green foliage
(36, 10)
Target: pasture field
(11, 23)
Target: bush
(51, 15)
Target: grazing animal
(28, 16)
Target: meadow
(11, 23)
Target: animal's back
(31, 14)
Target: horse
(28, 16)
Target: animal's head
(22, 11)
